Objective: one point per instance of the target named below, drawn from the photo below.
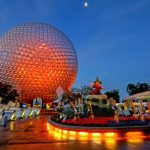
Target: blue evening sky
(111, 37)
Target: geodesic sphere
(36, 59)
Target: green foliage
(76, 93)
(7, 93)
(137, 88)
(70, 96)
(113, 94)
(86, 90)
(102, 111)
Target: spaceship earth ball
(36, 59)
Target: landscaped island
(95, 109)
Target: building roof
(142, 95)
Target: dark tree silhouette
(143, 87)
(7, 93)
(132, 89)
(114, 94)
(137, 88)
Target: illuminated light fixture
(83, 133)
(23, 114)
(65, 132)
(56, 129)
(96, 134)
(38, 112)
(12, 116)
(134, 134)
(135, 137)
(31, 113)
(58, 135)
(72, 132)
(110, 134)
(59, 130)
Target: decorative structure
(97, 87)
(36, 59)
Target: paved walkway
(32, 133)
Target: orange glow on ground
(135, 137)
(135, 140)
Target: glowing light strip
(80, 134)
(31, 113)
(12, 117)
(111, 137)
(23, 113)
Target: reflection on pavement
(37, 133)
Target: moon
(85, 4)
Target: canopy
(143, 95)
(99, 97)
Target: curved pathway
(33, 134)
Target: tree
(132, 89)
(7, 93)
(75, 90)
(86, 90)
(143, 87)
(12, 95)
(137, 88)
(113, 94)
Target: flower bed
(106, 122)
